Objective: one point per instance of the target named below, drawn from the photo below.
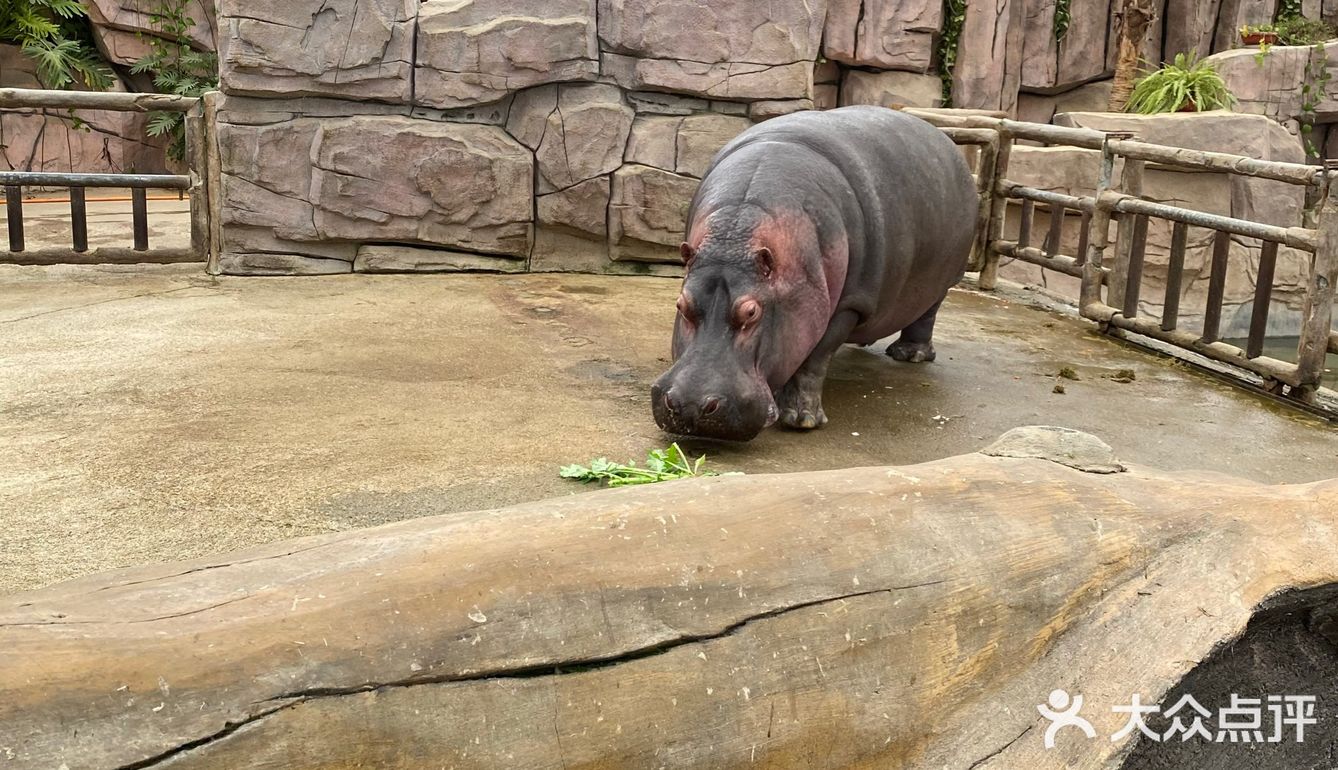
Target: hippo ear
(766, 262)
(688, 253)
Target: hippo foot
(799, 409)
(911, 352)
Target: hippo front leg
(800, 399)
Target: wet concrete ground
(155, 413)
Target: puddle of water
(1284, 349)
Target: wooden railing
(192, 184)
(1120, 277)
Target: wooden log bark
(26, 98)
(875, 617)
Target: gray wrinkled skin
(810, 231)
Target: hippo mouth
(728, 417)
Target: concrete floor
(155, 413)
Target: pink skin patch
(808, 297)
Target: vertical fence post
(1131, 183)
(213, 180)
(988, 157)
(79, 219)
(1317, 312)
(1098, 236)
(139, 207)
(14, 216)
(989, 273)
(198, 169)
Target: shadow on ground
(151, 414)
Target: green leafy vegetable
(661, 465)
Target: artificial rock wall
(399, 135)
(100, 141)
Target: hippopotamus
(808, 232)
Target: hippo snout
(705, 413)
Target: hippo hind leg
(915, 344)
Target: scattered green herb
(1068, 373)
(661, 465)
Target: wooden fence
(193, 183)
(1111, 287)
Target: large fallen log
(876, 617)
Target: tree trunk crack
(285, 701)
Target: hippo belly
(810, 231)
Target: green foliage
(177, 69)
(1298, 30)
(1185, 82)
(954, 18)
(1063, 18)
(1288, 9)
(661, 465)
(55, 35)
(1314, 84)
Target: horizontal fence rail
(193, 183)
(1111, 268)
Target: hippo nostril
(669, 402)
(711, 405)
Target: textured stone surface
(1065, 446)
(582, 207)
(731, 50)
(410, 259)
(886, 34)
(648, 210)
(727, 80)
(478, 51)
(316, 188)
(577, 132)
(889, 89)
(766, 110)
(1192, 26)
(136, 17)
(1041, 108)
(1273, 86)
(49, 140)
(353, 49)
(683, 145)
(989, 56)
(1052, 66)
(398, 179)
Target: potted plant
(1187, 84)
(1258, 34)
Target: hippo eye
(684, 307)
(747, 313)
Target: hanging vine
(954, 18)
(1063, 18)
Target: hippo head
(751, 310)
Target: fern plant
(177, 68)
(1187, 83)
(55, 35)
